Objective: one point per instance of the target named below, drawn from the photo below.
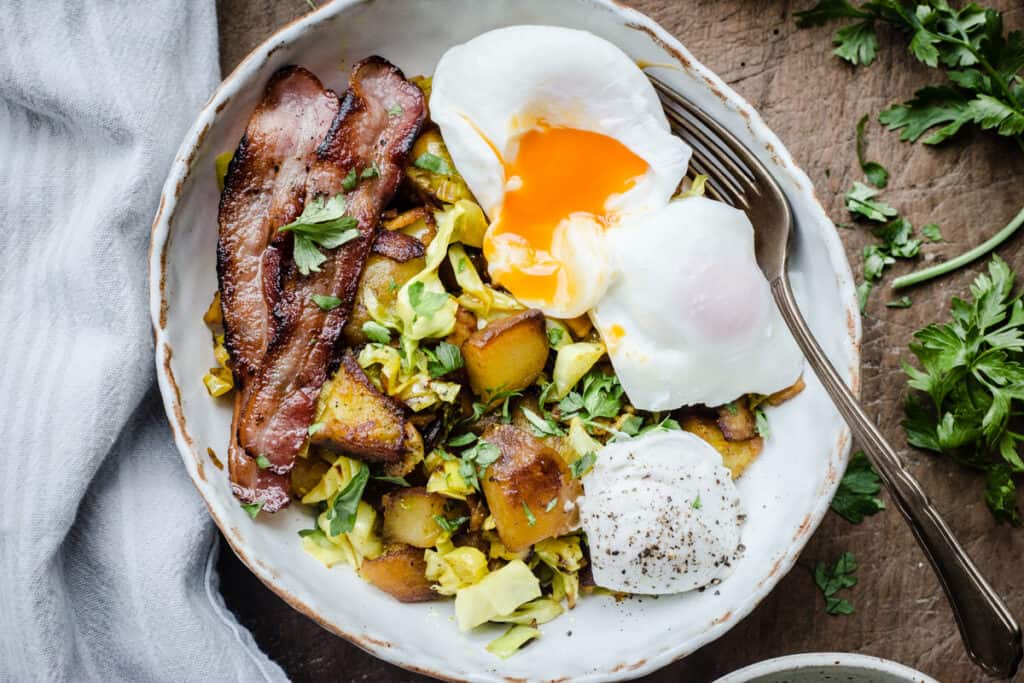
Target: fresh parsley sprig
(971, 384)
(984, 82)
(322, 222)
(341, 512)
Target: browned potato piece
(780, 397)
(528, 476)
(307, 473)
(412, 456)
(507, 355)
(383, 277)
(400, 571)
(404, 219)
(465, 326)
(736, 420)
(357, 419)
(409, 516)
(736, 455)
(580, 326)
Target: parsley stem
(963, 259)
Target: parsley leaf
(860, 201)
(370, 171)
(252, 509)
(932, 232)
(262, 462)
(322, 222)
(425, 303)
(443, 359)
(696, 504)
(761, 423)
(396, 110)
(314, 428)
(474, 461)
(374, 331)
(341, 512)
(462, 440)
(531, 519)
(876, 174)
(433, 163)
(450, 525)
(831, 580)
(582, 465)
(541, 426)
(972, 373)
(856, 496)
(326, 302)
(349, 182)
(555, 335)
(551, 504)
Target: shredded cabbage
(409, 381)
(572, 363)
(564, 557)
(316, 544)
(496, 595)
(448, 481)
(535, 612)
(483, 300)
(455, 569)
(514, 638)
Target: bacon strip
(265, 188)
(379, 119)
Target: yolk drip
(556, 172)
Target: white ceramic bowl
(822, 667)
(785, 493)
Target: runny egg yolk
(555, 173)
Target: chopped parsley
(903, 302)
(857, 495)
(374, 331)
(582, 465)
(445, 358)
(395, 110)
(555, 336)
(860, 200)
(314, 428)
(932, 232)
(830, 580)
(341, 512)
(475, 460)
(450, 525)
(397, 481)
(542, 426)
(253, 509)
(370, 171)
(462, 440)
(696, 504)
(350, 180)
(530, 518)
(323, 222)
(262, 462)
(551, 504)
(326, 302)
(425, 303)
(761, 423)
(433, 163)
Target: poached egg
(559, 135)
(661, 514)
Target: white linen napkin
(107, 554)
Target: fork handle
(989, 632)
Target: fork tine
(703, 155)
(731, 151)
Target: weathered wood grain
(970, 188)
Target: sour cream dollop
(661, 513)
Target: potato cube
(507, 355)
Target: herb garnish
(395, 110)
(423, 302)
(856, 496)
(253, 509)
(341, 513)
(696, 504)
(530, 518)
(314, 428)
(262, 462)
(374, 331)
(761, 423)
(475, 460)
(370, 171)
(349, 182)
(832, 579)
(326, 302)
(397, 481)
(450, 525)
(902, 302)
(322, 222)
(551, 504)
(582, 465)
(555, 335)
(443, 359)
(972, 370)
(433, 163)
(981, 62)
(542, 426)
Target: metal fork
(737, 177)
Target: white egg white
(690, 317)
(661, 515)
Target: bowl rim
(170, 393)
(826, 660)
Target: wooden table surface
(971, 188)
